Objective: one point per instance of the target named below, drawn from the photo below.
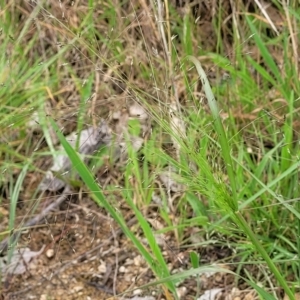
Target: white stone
(50, 253)
(137, 292)
(102, 268)
(122, 269)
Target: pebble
(137, 260)
(50, 253)
(102, 268)
(77, 288)
(137, 292)
(122, 269)
(181, 292)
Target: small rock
(137, 292)
(181, 292)
(128, 261)
(137, 260)
(138, 111)
(122, 269)
(128, 278)
(116, 115)
(102, 268)
(50, 253)
(77, 288)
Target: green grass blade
(264, 295)
(12, 209)
(268, 59)
(232, 201)
(88, 179)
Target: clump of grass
(220, 175)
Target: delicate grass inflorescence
(175, 157)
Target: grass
(236, 157)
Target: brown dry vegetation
(108, 66)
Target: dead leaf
(167, 178)
(20, 261)
(90, 140)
